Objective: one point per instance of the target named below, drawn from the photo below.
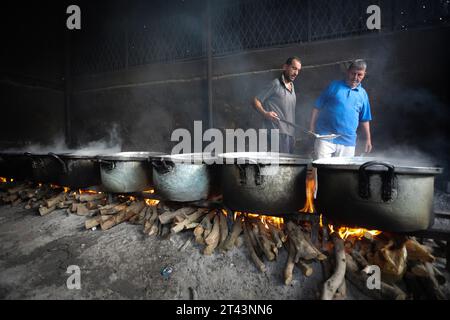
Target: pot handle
(243, 175)
(109, 165)
(387, 180)
(63, 164)
(162, 166)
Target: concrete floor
(122, 263)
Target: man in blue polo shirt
(340, 109)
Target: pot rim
(129, 156)
(404, 166)
(263, 158)
(188, 158)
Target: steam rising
(110, 144)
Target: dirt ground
(123, 263)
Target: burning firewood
(428, 279)
(150, 222)
(186, 223)
(64, 204)
(123, 215)
(334, 282)
(359, 259)
(416, 251)
(165, 231)
(212, 240)
(341, 292)
(82, 210)
(359, 279)
(290, 264)
(304, 266)
(86, 197)
(392, 261)
(304, 249)
(17, 188)
(207, 224)
(53, 201)
(116, 219)
(95, 221)
(235, 232)
(198, 234)
(27, 193)
(277, 236)
(265, 239)
(261, 242)
(143, 216)
(253, 239)
(168, 216)
(95, 204)
(223, 229)
(259, 264)
(135, 207)
(112, 208)
(46, 210)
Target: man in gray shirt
(277, 101)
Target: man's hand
(271, 115)
(368, 146)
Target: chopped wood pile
(406, 266)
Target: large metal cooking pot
(126, 172)
(45, 167)
(78, 170)
(15, 164)
(185, 177)
(376, 193)
(264, 183)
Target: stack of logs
(407, 269)
(405, 266)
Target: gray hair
(357, 64)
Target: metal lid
(129, 156)
(263, 158)
(190, 158)
(400, 165)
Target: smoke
(110, 144)
(408, 154)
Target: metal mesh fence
(241, 25)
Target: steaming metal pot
(375, 193)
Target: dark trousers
(286, 143)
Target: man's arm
(312, 124)
(366, 129)
(270, 115)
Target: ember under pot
(375, 193)
(264, 183)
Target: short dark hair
(290, 59)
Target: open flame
(81, 191)
(310, 188)
(346, 232)
(151, 202)
(3, 180)
(151, 191)
(55, 186)
(265, 219)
